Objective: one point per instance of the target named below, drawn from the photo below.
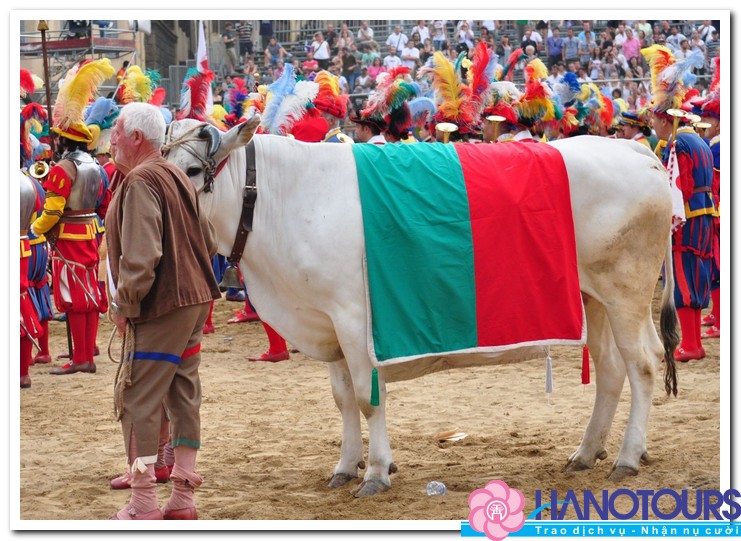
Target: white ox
(303, 265)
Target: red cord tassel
(585, 366)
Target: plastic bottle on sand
(436, 488)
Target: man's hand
(120, 322)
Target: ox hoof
(361, 465)
(621, 472)
(340, 480)
(393, 468)
(645, 459)
(370, 488)
(576, 465)
(602, 454)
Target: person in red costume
(710, 113)
(29, 326)
(690, 156)
(76, 194)
(38, 282)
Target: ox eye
(193, 171)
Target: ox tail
(668, 323)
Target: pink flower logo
(496, 510)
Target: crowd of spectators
(610, 56)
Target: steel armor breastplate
(28, 201)
(85, 191)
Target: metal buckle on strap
(249, 192)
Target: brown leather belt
(84, 216)
(249, 196)
(702, 189)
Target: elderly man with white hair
(160, 248)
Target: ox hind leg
(610, 375)
(351, 452)
(641, 349)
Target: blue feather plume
(420, 108)
(102, 112)
(276, 92)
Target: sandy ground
(271, 435)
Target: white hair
(146, 118)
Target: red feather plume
(158, 97)
(715, 83)
(479, 79)
(27, 84)
(509, 67)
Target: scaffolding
(71, 45)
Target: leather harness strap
(249, 196)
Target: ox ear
(238, 136)
(213, 136)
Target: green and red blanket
(470, 248)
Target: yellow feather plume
(38, 82)
(659, 58)
(585, 93)
(537, 70)
(328, 83)
(78, 90)
(217, 117)
(447, 86)
(137, 86)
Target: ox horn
(213, 136)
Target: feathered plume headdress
(194, 94)
(388, 106)
(501, 95)
(393, 88)
(103, 112)
(234, 100)
(328, 98)
(711, 105)
(78, 88)
(286, 102)
(137, 87)
(158, 99)
(33, 116)
(421, 109)
(218, 117)
(509, 67)
(455, 99)
(669, 77)
(30, 83)
(535, 103)
(480, 74)
(99, 118)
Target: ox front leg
(610, 375)
(351, 452)
(380, 465)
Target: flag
(678, 214)
(202, 64)
(202, 56)
(464, 252)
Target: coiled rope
(125, 364)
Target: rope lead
(123, 373)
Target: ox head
(198, 148)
